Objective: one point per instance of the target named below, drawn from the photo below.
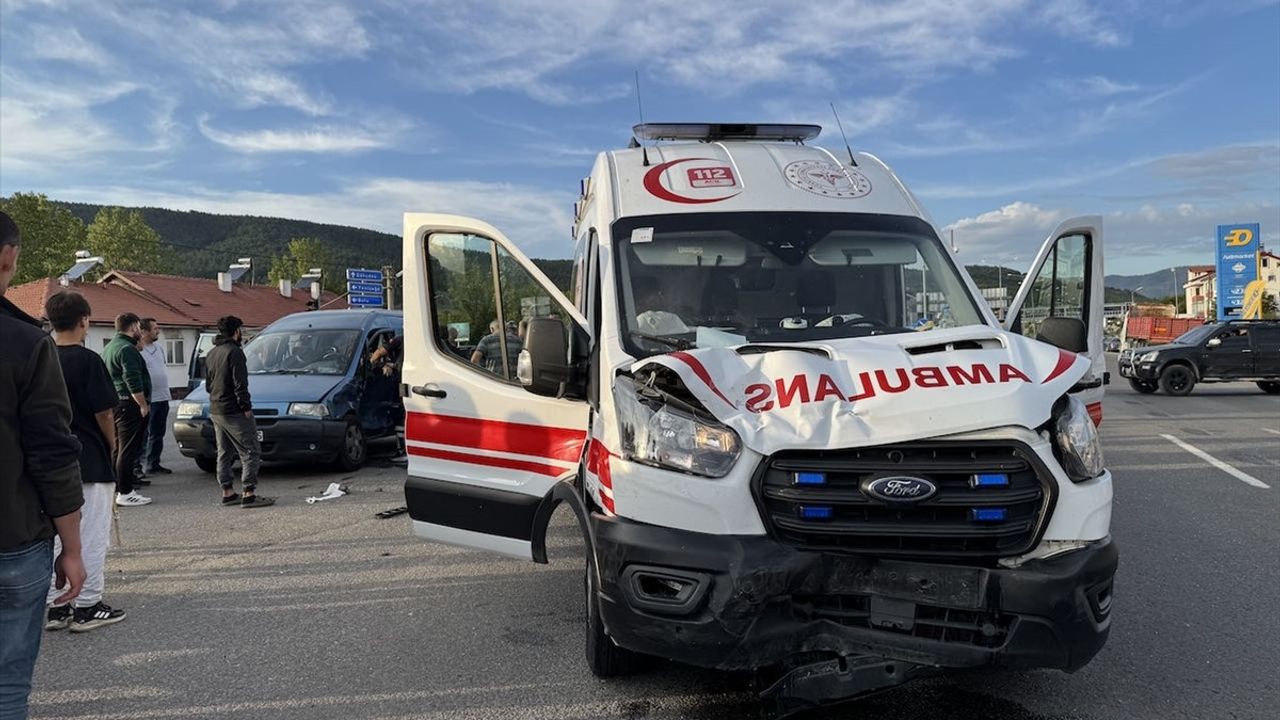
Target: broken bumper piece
(747, 602)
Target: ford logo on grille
(900, 489)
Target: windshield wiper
(677, 343)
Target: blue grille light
(810, 478)
(988, 514)
(990, 480)
(815, 512)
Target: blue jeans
(157, 425)
(24, 581)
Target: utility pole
(389, 285)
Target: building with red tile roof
(183, 306)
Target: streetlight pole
(1131, 294)
(1174, 272)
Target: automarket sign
(1237, 267)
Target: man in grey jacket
(231, 410)
(40, 492)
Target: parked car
(1234, 351)
(1111, 343)
(316, 398)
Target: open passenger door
(484, 453)
(1066, 281)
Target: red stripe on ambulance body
(476, 434)
(488, 461)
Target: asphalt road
(323, 611)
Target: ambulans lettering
(802, 389)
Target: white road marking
(1273, 432)
(1246, 477)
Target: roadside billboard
(1237, 254)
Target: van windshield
(720, 279)
(302, 352)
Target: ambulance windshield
(720, 279)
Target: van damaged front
(902, 535)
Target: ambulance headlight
(1076, 438)
(657, 434)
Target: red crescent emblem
(653, 183)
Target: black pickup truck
(1233, 351)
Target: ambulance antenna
(644, 151)
(848, 149)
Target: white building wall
(100, 335)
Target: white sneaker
(132, 499)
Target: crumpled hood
(876, 390)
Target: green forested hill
(207, 243)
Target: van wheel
(1270, 387)
(354, 447)
(1177, 380)
(208, 465)
(604, 658)
(1146, 387)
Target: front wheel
(354, 448)
(1177, 380)
(1270, 387)
(604, 658)
(1146, 387)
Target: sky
(1003, 116)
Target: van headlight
(188, 410)
(1076, 438)
(654, 433)
(317, 410)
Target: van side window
(464, 287)
(482, 299)
(1060, 289)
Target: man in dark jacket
(133, 387)
(231, 410)
(40, 492)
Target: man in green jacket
(133, 388)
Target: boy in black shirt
(92, 399)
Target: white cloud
(1081, 20)
(45, 42)
(1092, 86)
(316, 139)
(1149, 236)
(536, 220)
(43, 123)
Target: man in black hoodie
(40, 492)
(231, 410)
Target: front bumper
(283, 439)
(760, 603)
(1130, 368)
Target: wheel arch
(567, 492)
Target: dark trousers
(157, 427)
(131, 434)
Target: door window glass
(1060, 289)
(1236, 338)
(463, 295)
(479, 316)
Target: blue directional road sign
(362, 288)
(364, 300)
(364, 275)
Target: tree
(1270, 311)
(302, 254)
(51, 235)
(125, 242)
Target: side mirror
(543, 367)
(1066, 333)
(1213, 342)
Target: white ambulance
(794, 433)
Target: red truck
(1141, 331)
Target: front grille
(838, 515)
(981, 628)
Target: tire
(209, 465)
(1271, 387)
(604, 658)
(1146, 387)
(1177, 380)
(353, 449)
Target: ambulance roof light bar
(713, 132)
